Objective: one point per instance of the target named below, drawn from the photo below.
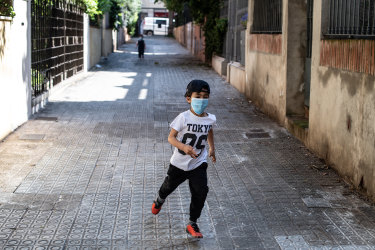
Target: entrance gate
(57, 42)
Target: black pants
(141, 53)
(197, 183)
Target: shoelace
(157, 204)
(195, 227)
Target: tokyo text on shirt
(192, 130)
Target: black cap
(197, 86)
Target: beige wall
(95, 45)
(275, 64)
(266, 71)
(342, 94)
(236, 76)
(107, 42)
(219, 65)
(192, 37)
(342, 117)
(15, 64)
(266, 83)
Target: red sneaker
(193, 230)
(156, 207)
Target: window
(349, 19)
(267, 17)
(161, 22)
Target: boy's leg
(199, 189)
(175, 177)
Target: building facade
(43, 47)
(152, 9)
(310, 65)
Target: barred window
(349, 19)
(267, 17)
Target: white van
(155, 26)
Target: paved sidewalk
(84, 172)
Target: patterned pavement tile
(105, 154)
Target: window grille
(267, 17)
(57, 42)
(351, 19)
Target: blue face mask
(199, 105)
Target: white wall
(86, 42)
(152, 4)
(15, 65)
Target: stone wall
(192, 37)
(341, 121)
(342, 105)
(265, 68)
(95, 45)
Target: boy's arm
(210, 140)
(186, 148)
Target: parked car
(155, 26)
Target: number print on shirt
(193, 138)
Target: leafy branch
(6, 8)
(120, 12)
(206, 13)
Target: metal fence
(351, 18)
(236, 13)
(57, 42)
(267, 17)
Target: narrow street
(84, 171)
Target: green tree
(116, 10)
(131, 11)
(207, 14)
(6, 8)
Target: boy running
(141, 45)
(189, 133)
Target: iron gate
(57, 42)
(235, 38)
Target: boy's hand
(189, 150)
(212, 155)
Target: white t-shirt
(192, 130)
